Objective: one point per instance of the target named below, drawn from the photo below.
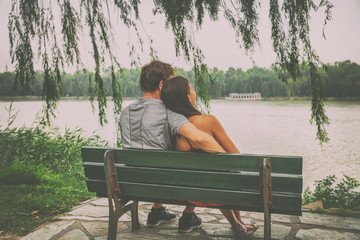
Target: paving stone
(152, 235)
(70, 217)
(319, 234)
(215, 211)
(258, 216)
(180, 209)
(330, 221)
(75, 234)
(175, 208)
(49, 230)
(281, 218)
(125, 218)
(277, 231)
(143, 203)
(207, 218)
(89, 200)
(245, 220)
(222, 238)
(217, 230)
(101, 238)
(274, 217)
(174, 232)
(142, 216)
(174, 224)
(146, 205)
(104, 202)
(91, 211)
(100, 202)
(101, 228)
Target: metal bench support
(117, 207)
(266, 193)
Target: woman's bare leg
(238, 217)
(235, 224)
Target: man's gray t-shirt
(149, 124)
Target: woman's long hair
(175, 93)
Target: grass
(24, 207)
(41, 175)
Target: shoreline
(37, 98)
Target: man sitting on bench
(148, 124)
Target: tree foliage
(32, 33)
(341, 81)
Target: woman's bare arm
(182, 144)
(220, 134)
(199, 139)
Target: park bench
(257, 183)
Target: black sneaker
(189, 222)
(159, 216)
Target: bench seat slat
(250, 201)
(205, 161)
(216, 180)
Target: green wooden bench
(257, 183)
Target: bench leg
(267, 225)
(112, 232)
(265, 174)
(135, 224)
(117, 207)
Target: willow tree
(34, 32)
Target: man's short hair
(152, 73)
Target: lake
(259, 127)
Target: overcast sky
(217, 39)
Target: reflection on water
(280, 128)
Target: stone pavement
(89, 221)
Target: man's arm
(200, 139)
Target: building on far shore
(244, 96)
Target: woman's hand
(182, 144)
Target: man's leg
(189, 221)
(189, 209)
(159, 215)
(157, 205)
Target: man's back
(148, 124)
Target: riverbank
(89, 221)
(82, 98)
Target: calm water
(280, 128)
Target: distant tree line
(341, 79)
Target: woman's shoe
(251, 231)
(242, 233)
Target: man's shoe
(158, 216)
(189, 222)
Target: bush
(41, 174)
(59, 153)
(340, 196)
(25, 173)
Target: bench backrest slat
(217, 180)
(203, 161)
(283, 204)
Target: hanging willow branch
(32, 24)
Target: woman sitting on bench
(179, 96)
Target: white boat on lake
(244, 96)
